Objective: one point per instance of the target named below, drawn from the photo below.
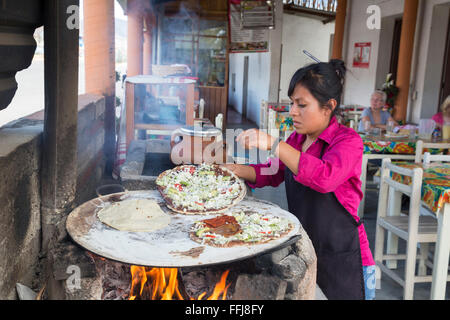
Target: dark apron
(334, 234)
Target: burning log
(166, 284)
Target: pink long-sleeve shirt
(338, 171)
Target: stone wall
(91, 138)
(20, 202)
(20, 163)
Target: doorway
(395, 47)
(445, 83)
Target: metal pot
(197, 144)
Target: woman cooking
(321, 165)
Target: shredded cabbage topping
(199, 188)
(255, 228)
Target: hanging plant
(391, 91)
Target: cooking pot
(196, 145)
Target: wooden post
(100, 64)
(405, 58)
(59, 165)
(341, 13)
(135, 38)
(148, 54)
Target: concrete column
(59, 166)
(405, 58)
(148, 33)
(339, 29)
(100, 67)
(135, 38)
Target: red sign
(361, 55)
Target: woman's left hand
(254, 138)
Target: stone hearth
(286, 274)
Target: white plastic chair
(219, 121)
(421, 145)
(424, 211)
(413, 228)
(263, 115)
(201, 109)
(428, 158)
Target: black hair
(324, 80)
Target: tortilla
(138, 215)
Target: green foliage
(391, 91)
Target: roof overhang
(324, 16)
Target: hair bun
(340, 68)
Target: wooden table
(378, 148)
(436, 196)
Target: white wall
(430, 58)
(360, 83)
(258, 82)
(301, 33)
(263, 73)
(269, 81)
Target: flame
(162, 284)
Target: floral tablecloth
(284, 122)
(380, 145)
(436, 183)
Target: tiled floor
(389, 289)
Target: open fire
(163, 284)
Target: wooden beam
(405, 58)
(338, 42)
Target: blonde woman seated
(375, 114)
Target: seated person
(443, 116)
(375, 114)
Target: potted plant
(391, 91)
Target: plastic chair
(413, 228)
(428, 158)
(263, 115)
(421, 146)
